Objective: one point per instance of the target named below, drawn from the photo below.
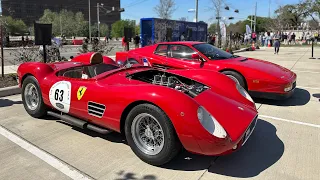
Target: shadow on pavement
(316, 96)
(299, 98)
(262, 150)
(131, 176)
(7, 102)
(113, 136)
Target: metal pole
(2, 60)
(98, 14)
(197, 7)
(255, 17)
(89, 21)
(269, 7)
(312, 51)
(251, 22)
(44, 54)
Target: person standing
(277, 43)
(137, 41)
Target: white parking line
(46, 157)
(304, 87)
(291, 121)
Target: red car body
(261, 78)
(118, 94)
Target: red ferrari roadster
(158, 111)
(261, 79)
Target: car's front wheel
(151, 135)
(236, 77)
(32, 98)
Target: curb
(241, 50)
(8, 91)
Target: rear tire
(236, 77)
(151, 135)
(32, 98)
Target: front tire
(151, 135)
(236, 77)
(32, 98)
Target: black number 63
(56, 95)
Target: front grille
(96, 109)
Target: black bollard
(312, 51)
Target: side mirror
(195, 56)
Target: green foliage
(71, 24)
(212, 28)
(14, 26)
(118, 27)
(137, 29)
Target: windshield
(213, 52)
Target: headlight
(210, 123)
(288, 88)
(244, 93)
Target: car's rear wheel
(32, 98)
(151, 135)
(236, 77)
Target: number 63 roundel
(60, 96)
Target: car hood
(234, 117)
(264, 67)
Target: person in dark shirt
(136, 41)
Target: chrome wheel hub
(147, 134)
(31, 96)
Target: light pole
(89, 21)
(98, 18)
(197, 8)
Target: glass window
(181, 52)
(162, 50)
(213, 52)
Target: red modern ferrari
(158, 111)
(261, 79)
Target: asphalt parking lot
(284, 145)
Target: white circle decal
(60, 96)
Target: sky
(136, 9)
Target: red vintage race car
(261, 79)
(158, 111)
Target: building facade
(31, 10)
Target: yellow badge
(81, 92)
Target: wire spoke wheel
(147, 134)
(31, 96)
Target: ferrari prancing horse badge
(81, 92)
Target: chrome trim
(254, 119)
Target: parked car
(158, 111)
(260, 78)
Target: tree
(66, 22)
(137, 29)
(212, 28)
(14, 26)
(117, 28)
(165, 9)
(292, 14)
(217, 5)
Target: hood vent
(245, 59)
(95, 109)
